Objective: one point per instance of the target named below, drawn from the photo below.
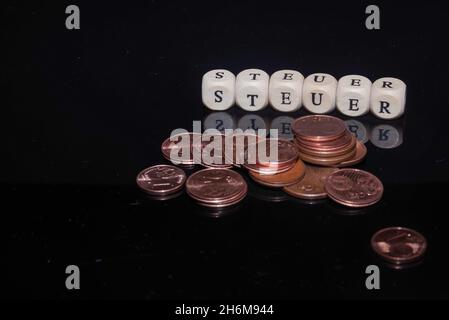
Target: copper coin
(399, 245)
(287, 153)
(161, 180)
(215, 151)
(327, 161)
(353, 187)
(216, 186)
(332, 145)
(241, 142)
(269, 170)
(226, 203)
(324, 153)
(311, 187)
(318, 128)
(281, 179)
(178, 144)
(360, 153)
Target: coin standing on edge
(399, 245)
(354, 187)
(161, 180)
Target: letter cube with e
(285, 90)
(388, 98)
(319, 93)
(353, 95)
(251, 89)
(218, 89)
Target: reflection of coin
(216, 187)
(161, 180)
(353, 187)
(312, 185)
(399, 245)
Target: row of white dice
(287, 91)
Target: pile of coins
(323, 142)
(326, 141)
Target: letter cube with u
(319, 93)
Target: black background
(85, 110)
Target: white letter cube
(218, 89)
(285, 90)
(388, 98)
(319, 93)
(353, 95)
(251, 89)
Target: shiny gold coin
(311, 187)
(283, 179)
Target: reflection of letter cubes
(388, 98)
(218, 89)
(285, 90)
(353, 95)
(251, 89)
(319, 92)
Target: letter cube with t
(353, 95)
(388, 98)
(319, 93)
(251, 89)
(218, 89)
(285, 90)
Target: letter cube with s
(218, 89)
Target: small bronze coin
(213, 155)
(216, 187)
(399, 245)
(327, 146)
(353, 187)
(344, 149)
(318, 128)
(327, 161)
(161, 180)
(283, 179)
(311, 187)
(287, 154)
(179, 143)
(360, 154)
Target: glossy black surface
(86, 110)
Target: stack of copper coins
(325, 141)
